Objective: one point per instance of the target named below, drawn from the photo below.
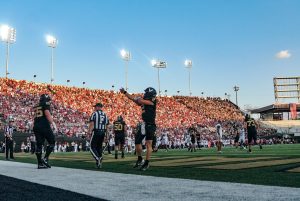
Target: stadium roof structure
(274, 108)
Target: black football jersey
(119, 127)
(149, 112)
(40, 119)
(251, 124)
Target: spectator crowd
(71, 107)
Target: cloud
(284, 54)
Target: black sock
(39, 157)
(140, 158)
(146, 162)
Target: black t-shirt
(119, 127)
(40, 119)
(149, 112)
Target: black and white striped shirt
(9, 131)
(100, 120)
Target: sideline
(117, 186)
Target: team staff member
(148, 127)
(42, 130)
(9, 142)
(119, 130)
(97, 131)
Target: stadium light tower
(7, 35)
(158, 64)
(52, 43)
(188, 64)
(126, 56)
(236, 89)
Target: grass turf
(183, 164)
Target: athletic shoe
(116, 156)
(145, 167)
(99, 163)
(42, 166)
(138, 163)
(45, 162)
(249, 151)
(260, 146)
(122, 156)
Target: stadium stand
(72, 107)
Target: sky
(231, 42)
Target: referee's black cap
(98, 105)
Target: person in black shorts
(252, 132)
(192, 133)
(147, 127)
(198, 139)
(42, 130)
(119, 130)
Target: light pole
(236, 89)
(83, 83)
(7, 35)
(188, 64)
(158, 64)
(126, 56)
(166, 92)
(34, 77)
(52, 43)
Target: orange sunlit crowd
(71, 107)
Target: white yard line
(116, 186)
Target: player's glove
(123, 91)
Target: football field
(275, 165)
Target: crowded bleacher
(71, 107)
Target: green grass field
(277, 165)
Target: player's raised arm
(137, 100)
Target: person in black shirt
(42, 130)
(147, 127)
(252, 132)
(9, 142)
(192, 133)
(97, 131)
(119, 130)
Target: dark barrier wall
(19, 137)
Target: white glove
(54, 127)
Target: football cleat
(145, 167)
(138, 163)
(42, 166)
(45, 162)
(99, 163)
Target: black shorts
(119, 139)
(252, 136)
(44, 133)
(150, 134)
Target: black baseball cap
(98, 105)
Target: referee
(9, 143)
(97, 131)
